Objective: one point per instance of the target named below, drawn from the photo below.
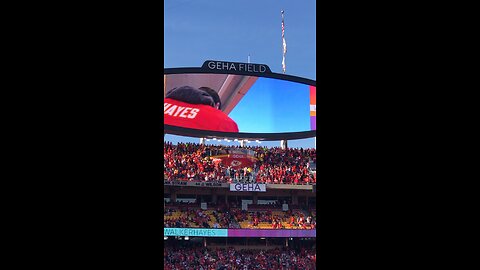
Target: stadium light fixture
(165, 237)
(214, 139)
(263, 238)
(236, 140)
(187, 238)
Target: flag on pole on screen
(284, 66)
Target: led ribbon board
(271, 233)
(195, 232)
(238, 232)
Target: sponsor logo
(247, 187)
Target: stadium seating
(175, 217)
(192, 162)
(231, 258)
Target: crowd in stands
(274, 219)
(192, 162)
(223, 218)
(205, 259)
(186, 219)
(197, 218)
(285, 166)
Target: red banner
(236, 161)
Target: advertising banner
(195, 232)
(238, 232)
(248, 187)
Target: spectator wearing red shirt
(189, 107)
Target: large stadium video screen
(238, 103)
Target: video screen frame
(181, 131)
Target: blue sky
(273, 105)
(199, 30)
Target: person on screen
(194, 108)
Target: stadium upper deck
(209, 163)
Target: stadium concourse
(239, 207)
